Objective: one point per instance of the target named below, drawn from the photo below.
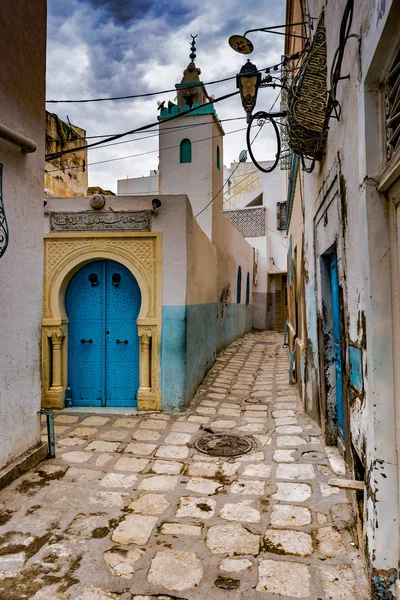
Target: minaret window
(218, 158)
(186, 151)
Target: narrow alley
(131, 509)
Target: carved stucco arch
(64, 255)
(59, 281)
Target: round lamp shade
(241, 44)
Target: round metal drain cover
(223, 445)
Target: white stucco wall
(233, 250)
(241, 191)
(135, 186)
(260, 290)
(170, 220)
(248, 184)
(200, 312)
(345, 186)
(22, 89)
(200, 179)
(174, 221)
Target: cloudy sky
(106, 48)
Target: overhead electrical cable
(240, 180)
(129, 97)
(167, 129)
(140, 154)
(218, 193)
(231, 174)
(241, 190)
(149, 94)
(55, 155)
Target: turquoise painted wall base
(191, 337)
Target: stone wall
(67, 175)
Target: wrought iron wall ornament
(280, 80)
(307, 104)
(4, 236)
(261, 117)
(392, 107)
(307, 119)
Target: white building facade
(255, 203)
(343, 256)
(22, 122)
(172, 255)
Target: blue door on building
(103, 302)
(337, 346)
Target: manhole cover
(223, 445)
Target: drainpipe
(26, 144)
(50, 431)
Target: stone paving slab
(130, 510)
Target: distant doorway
(103, 301)
(332, 348)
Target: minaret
(191, 147)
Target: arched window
(239, 285)
(186, 151)
(248, 288)
(218, 158)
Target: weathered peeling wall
(67, 175)
(345, 211)
(22, 100)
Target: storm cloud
(107, 48)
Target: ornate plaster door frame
(64, 255)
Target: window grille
(392, 108)
(250, 221)
(281, 216)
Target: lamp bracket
(273, 27)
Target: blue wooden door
(103, 302)
(337, 346)
(122, 341)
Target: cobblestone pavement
(129, 509)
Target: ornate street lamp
(248, 81)
(242, 44)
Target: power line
(176, 128)
(100, 162)
(149, 94)
(55, 155)
(133, 95)
(165, 132)
(231, 174)
(218, 193)
(248, 214)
